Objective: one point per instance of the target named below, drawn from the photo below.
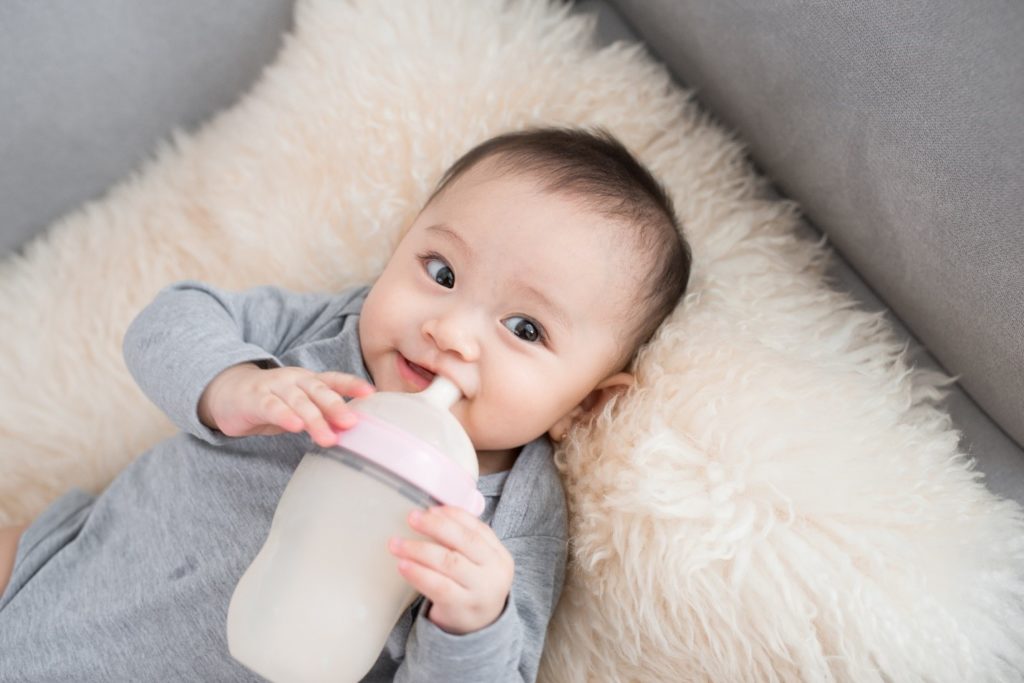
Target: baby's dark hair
(593, 166)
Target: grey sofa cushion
(88, 89)
(899, 127)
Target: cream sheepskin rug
(780, 499)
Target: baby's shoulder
(533, 499)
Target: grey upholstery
(899, 127)
(810, 87)
(89, 88)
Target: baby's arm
(193, 332)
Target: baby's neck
(496, 461)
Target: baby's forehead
(609, 231)
(548, 185)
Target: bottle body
(322, 595)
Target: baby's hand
(246, 400)
(466, 574)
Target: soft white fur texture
(780, 499)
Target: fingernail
(415, 516)
(394, 544)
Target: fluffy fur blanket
(780, 498)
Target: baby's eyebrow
(545, 302)
(451, 235)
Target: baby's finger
(331, 405)
(446, 530)
(438, 558)
(312, 418)
(474, 525)
(276, 412)
(437, 587)
(346, 385)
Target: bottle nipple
(442, 393)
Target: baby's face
(515, 294)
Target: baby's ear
(592, 404)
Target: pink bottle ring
(413, 460)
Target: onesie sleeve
(192, 331)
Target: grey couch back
(89, 88)
(899, 127)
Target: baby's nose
(455, 334)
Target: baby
(530, 278)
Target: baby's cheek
(497, 426)
(468, 415)
(478, 429)
(463, 412)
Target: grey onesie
(134, 584)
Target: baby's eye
(441, 272)
(524, 328)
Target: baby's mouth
(420, 370)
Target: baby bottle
(322, 595)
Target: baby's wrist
(205, 409)
(465, 628)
